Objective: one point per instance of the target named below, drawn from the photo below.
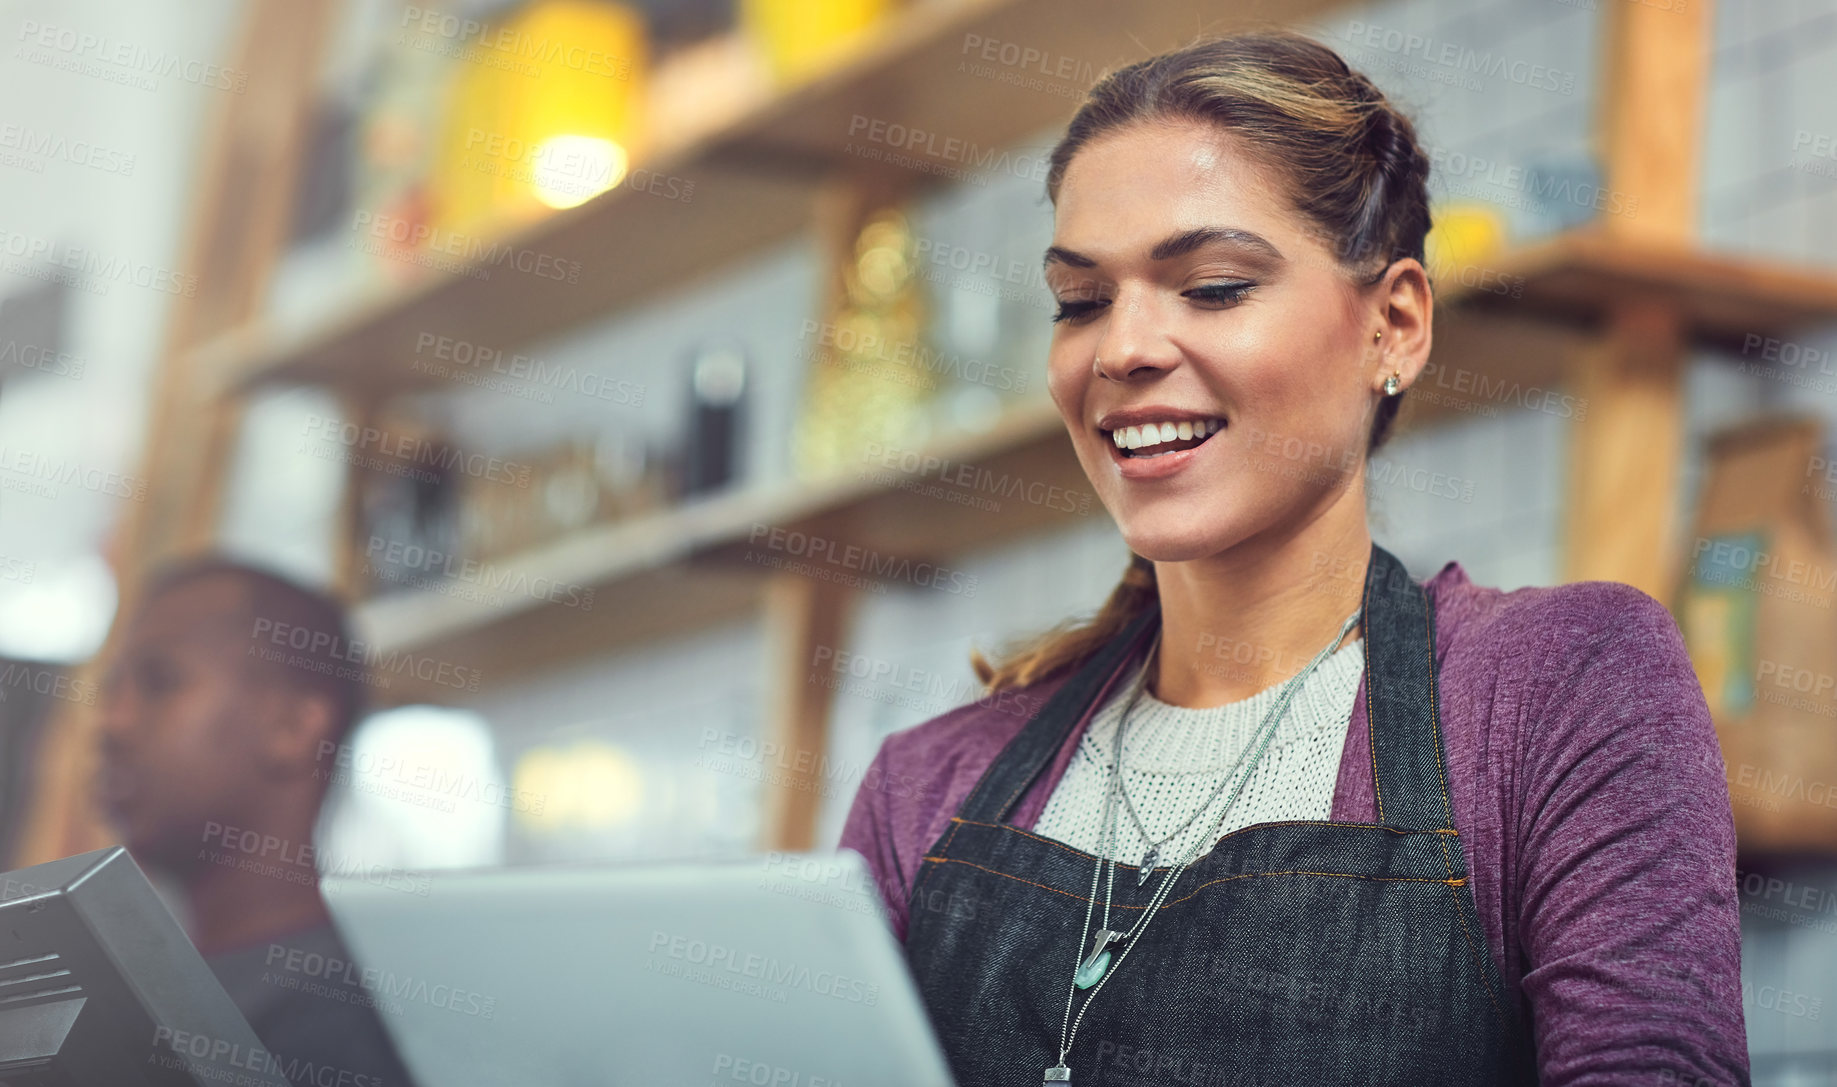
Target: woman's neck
(1244, 620)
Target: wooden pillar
(801, 615)
(1626, 452)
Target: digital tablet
(778, 970)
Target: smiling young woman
(1486, 840)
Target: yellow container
(801, 37)
(546, 113)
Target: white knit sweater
(1173, 757)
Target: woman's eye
(1073, 311)
(1221, 292)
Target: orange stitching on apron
(1441, 767)
(1222, 879)
(1454, 896)
(920, 876)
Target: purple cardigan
(1589, 793)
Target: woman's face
(1194, 295)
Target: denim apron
(1299, 952)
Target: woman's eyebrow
(1175, 245)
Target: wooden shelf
(1576, 277)
(753, 179)
(696, 565)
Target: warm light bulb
(571, 170)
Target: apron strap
(1402, 708)
(1017, 765)
(1410, 771)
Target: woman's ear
(1406, 318)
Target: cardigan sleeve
(1625, 854)
(867, 831)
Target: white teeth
(1153, 434)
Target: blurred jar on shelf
(802, 38)
(550, 113)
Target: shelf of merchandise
(922, 82)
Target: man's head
(226, 683)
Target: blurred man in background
(215, 730)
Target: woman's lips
(1161, 465)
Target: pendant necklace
(1093, 966)
(1151, 859)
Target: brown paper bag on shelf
(1758, 608)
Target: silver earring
(1391, 387)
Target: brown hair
(1354, 170)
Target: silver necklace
(1152, 859)
(1093, 970)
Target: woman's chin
(1175, 542)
